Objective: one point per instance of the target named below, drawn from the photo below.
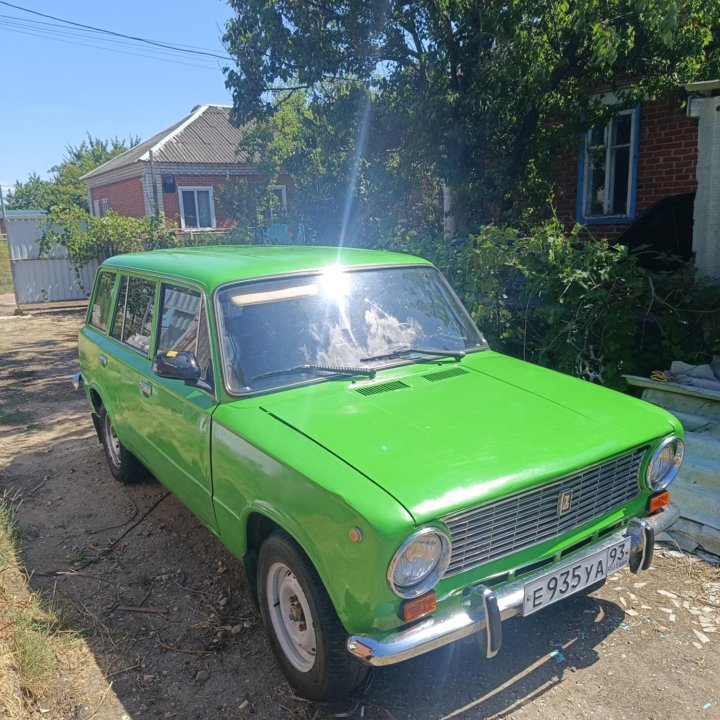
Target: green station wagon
(337, 420)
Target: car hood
(441, 436)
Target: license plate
(572, 578)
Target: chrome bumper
(485, 609)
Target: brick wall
(171, 201)
(125, 197)
(666, 163)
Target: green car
(337, 420)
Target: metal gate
(47, 278)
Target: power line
(100, 47)
(52, 29)
(156, 43)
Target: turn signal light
(658, 501)
(417, 607)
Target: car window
(102, 300)
(337, 319)
(183, 326)
(133, 319)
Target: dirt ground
(167, 614)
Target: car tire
(305, 632)
(124, 466)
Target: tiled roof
(205, 136)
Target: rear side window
(134, 316)
(102, 300)
(183, 326)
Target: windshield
(283, 331)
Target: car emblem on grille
(564, 502)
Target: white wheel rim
(113, 444)
(291, 618)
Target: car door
(127, 362)
(177, 415)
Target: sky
(59, 83)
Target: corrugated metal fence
(50, 278)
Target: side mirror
(176, 365)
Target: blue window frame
(607, 170)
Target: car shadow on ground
(537, 654)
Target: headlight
(665, 463)
(419, 563)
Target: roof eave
(100, 169)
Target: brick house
(646, 153)
(651, 175)
(178, 173)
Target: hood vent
(445, 374)
(381, 388)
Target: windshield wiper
(334, 369)
(399, 352)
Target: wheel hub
(291, 617)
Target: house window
(608, 170)
(280, 193)
(104, 206)
(197, 209)
(96, 208)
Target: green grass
(6, 283)
(32, 650)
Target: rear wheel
(305, 633)
(124, 466)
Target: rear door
(126, 365)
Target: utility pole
(2, 203)
(156, 203)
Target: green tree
(65, 188)
(469, 89)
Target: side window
(101, 300)
(183, 326)
(133, 319)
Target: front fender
(316, 499)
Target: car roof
(219, 264)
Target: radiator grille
(489, 532)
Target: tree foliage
(468, 89)
(89, 238)
(65, 188)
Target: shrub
(578, 305)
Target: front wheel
(305, 633)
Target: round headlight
(665, 463)
(419, 563)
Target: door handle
(145, 388)
(102, 360)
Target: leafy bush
(578, 305)
(87, 238)
(95, 238)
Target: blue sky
(54, 91)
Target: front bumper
(485, 609)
